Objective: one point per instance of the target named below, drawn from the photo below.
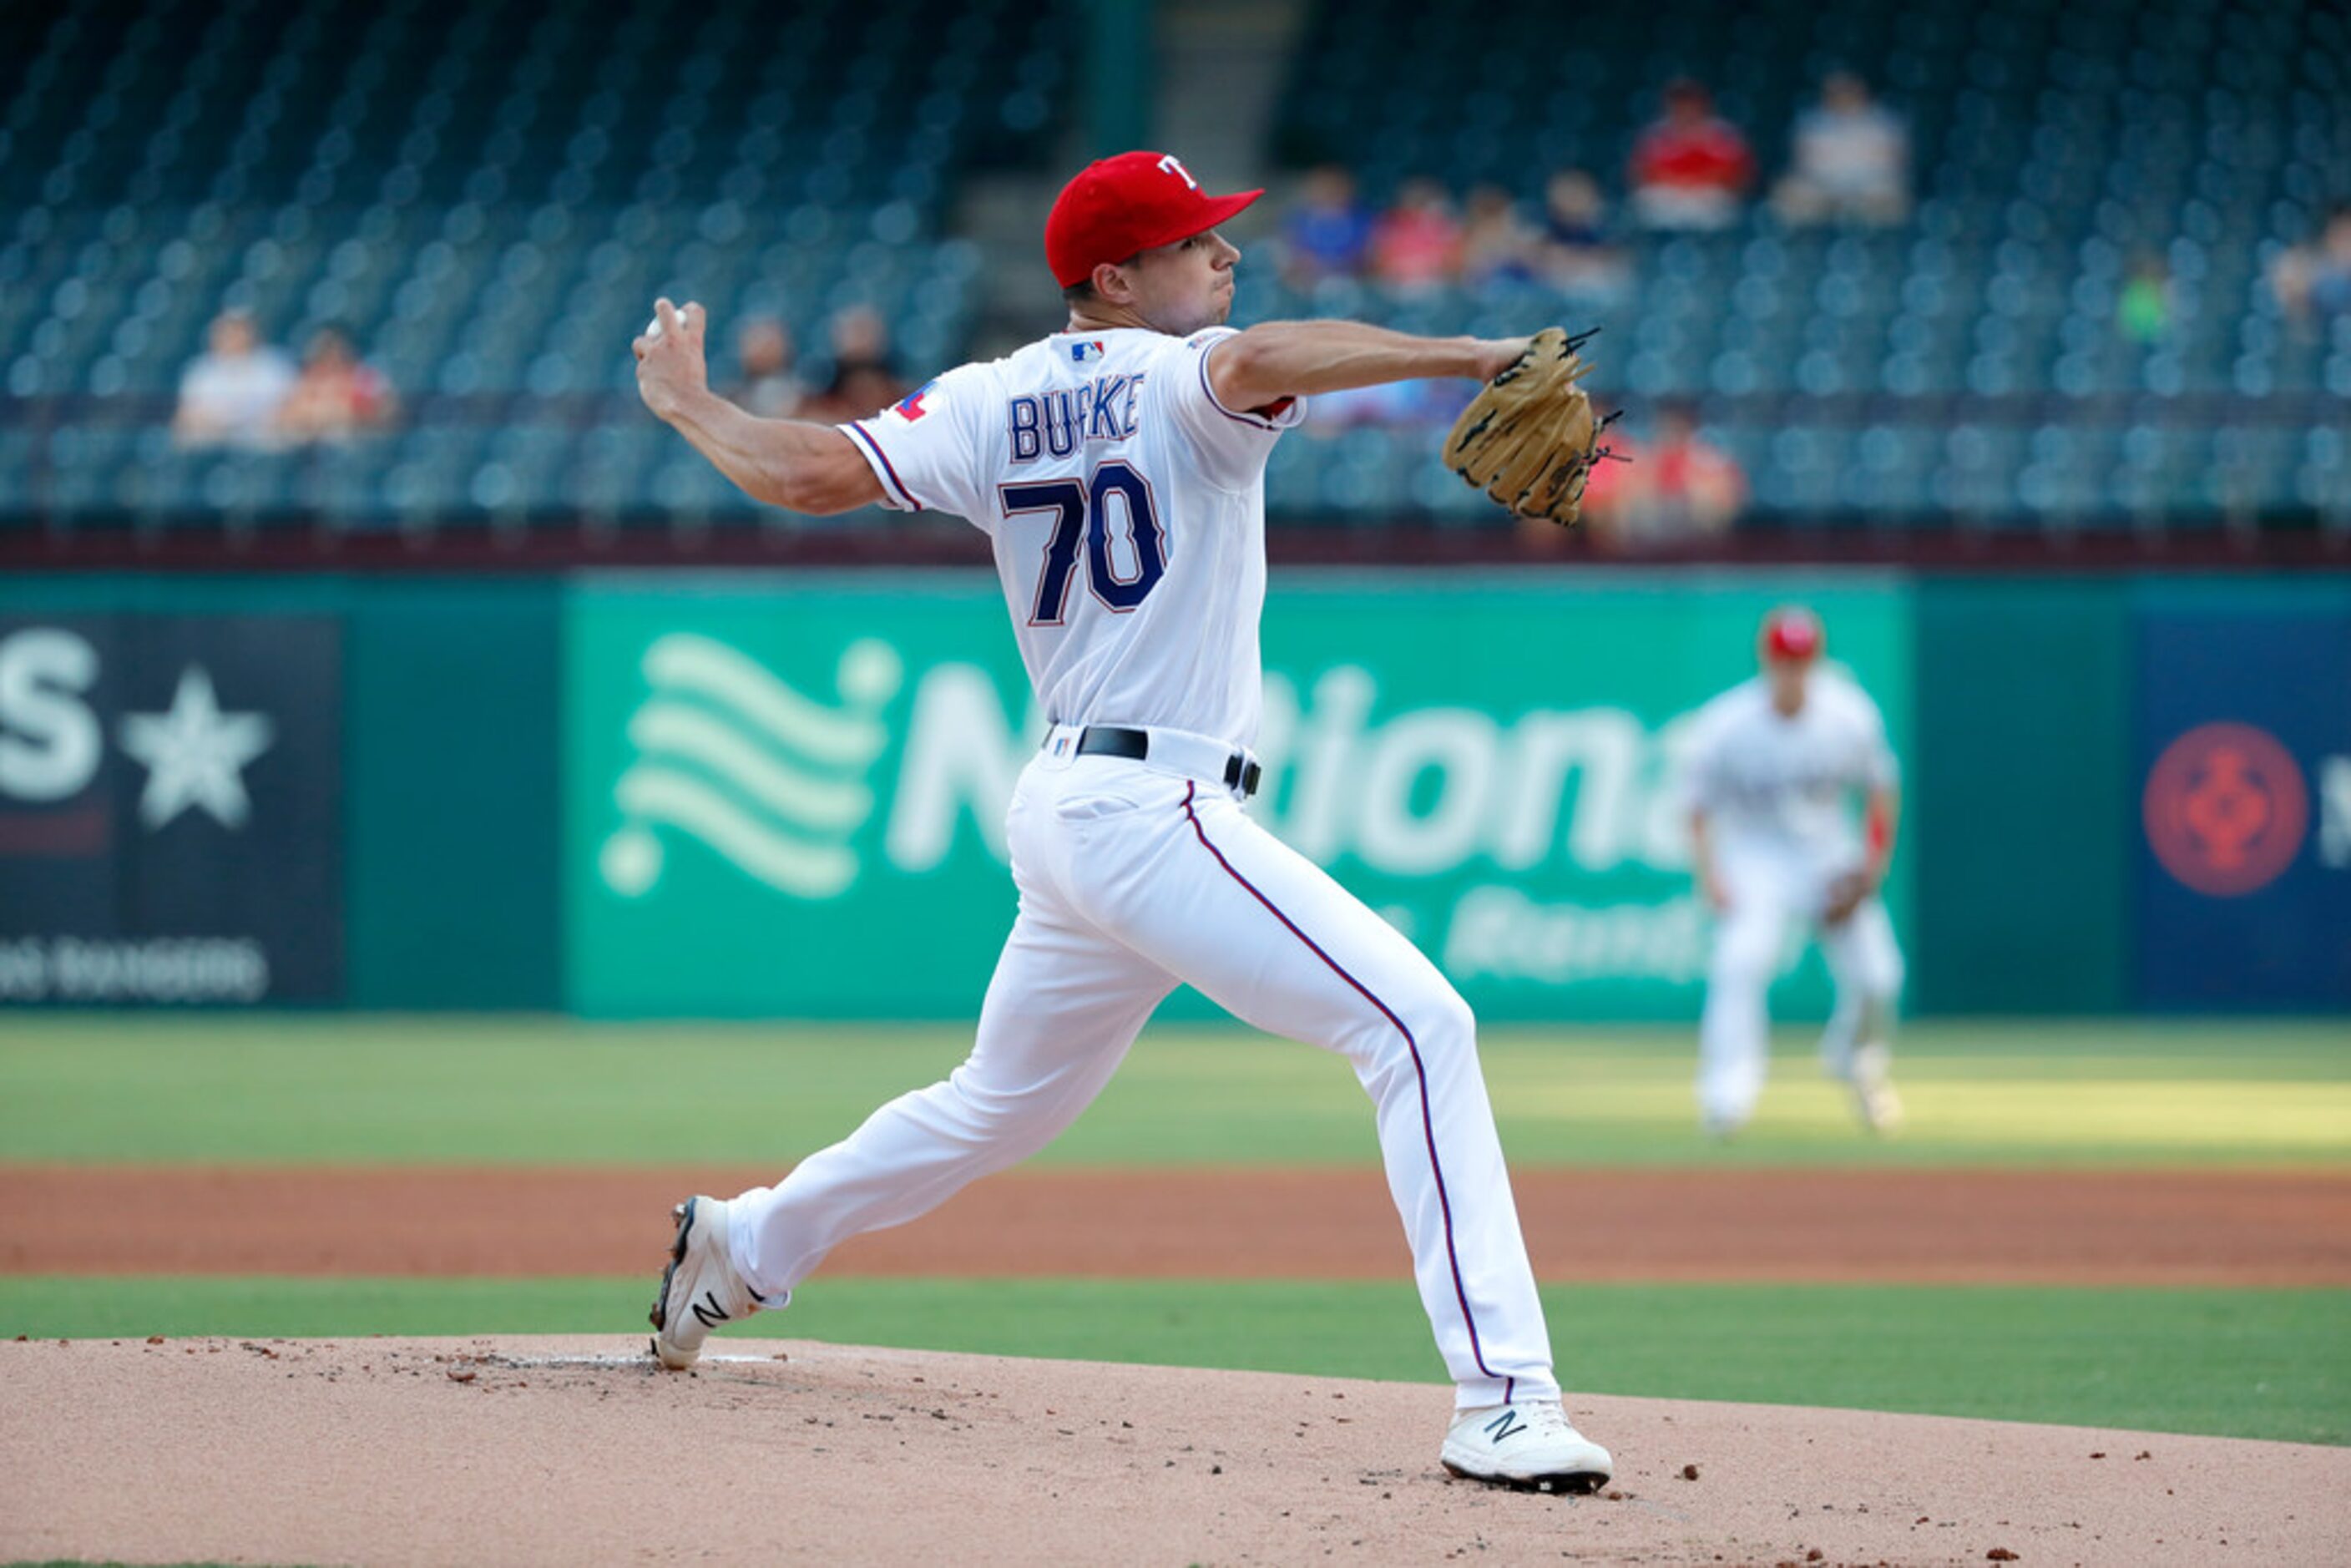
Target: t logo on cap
(1116, 208)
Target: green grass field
(303, 1089)
(306, 1088)
(2248, 1364)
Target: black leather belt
(1113, 740)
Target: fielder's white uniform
(1127, 510)
(1776, 793)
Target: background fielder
(1117, 466)
(1771, 769)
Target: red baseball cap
(1118, 207)
(1792, 632)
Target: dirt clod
(2000, 1554)
(1689, 1472)
(462, 1375)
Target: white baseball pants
(1766, 892)
(1133, 878)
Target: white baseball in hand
(653, 328)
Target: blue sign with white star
(170, 799)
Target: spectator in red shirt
(338, 395)
(1691, 168)
(1678, 489)
(1417, 242)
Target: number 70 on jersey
(1080, 510)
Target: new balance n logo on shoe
(713, 1314)
(1507, 1425)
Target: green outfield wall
(2020, 799)
(789, 799)
(773, 794)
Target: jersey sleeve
(1698, 784)
(1232, 444)
(926, 448)
(1877, 766)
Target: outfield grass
(335, 1089)
(284, 1089)
(2250, 1363)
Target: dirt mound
(570, 1450)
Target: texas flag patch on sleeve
(910, 408)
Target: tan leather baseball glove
(1530, 439)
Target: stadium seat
(484, 198)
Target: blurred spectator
(2313, 281)
(1578, 252)
(336, 396)
(865, 380)
(2143, 312)
(1416, 244)
(1497, 245)
(1328, 234)
(229, 396)
(1852, 160)
(1605, 492)
(1692, 167)
(769, 388)
(1676, 488)
(1393, 405)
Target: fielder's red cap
(1792, 632)
(1118, 207)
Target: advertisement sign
(789, 799)
(2244, 768)
(170, 809)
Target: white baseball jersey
(1777, 792)
(1767, 782)
(1127, 509)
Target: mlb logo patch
(1094, 349)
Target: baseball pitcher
(1117, 468)
(1772, 766)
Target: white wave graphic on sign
(689, 666)
(729, 755)
(830, 805)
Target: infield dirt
(532, 1450)
(2047, 1228)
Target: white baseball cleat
(1529, 1445)
(699, 1290)
(1874, 1100)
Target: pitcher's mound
(577, 1450)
